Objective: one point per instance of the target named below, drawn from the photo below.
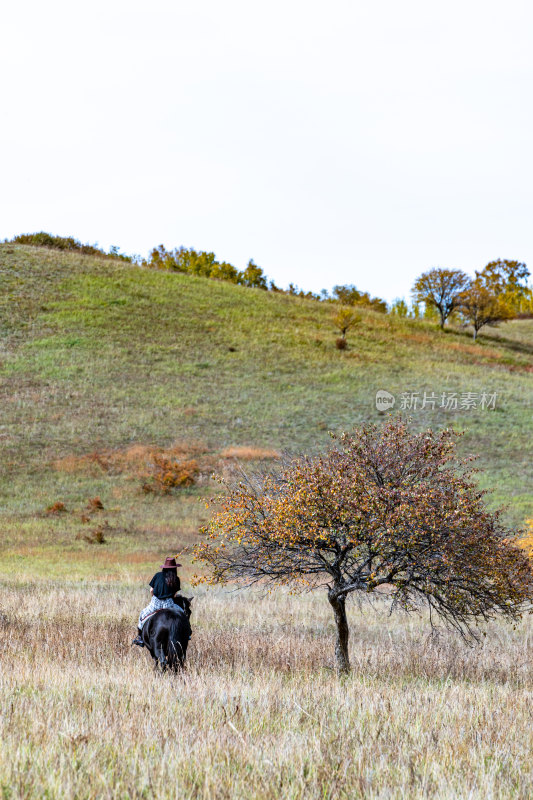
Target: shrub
(56, 508)
(95, 504)
(97, 536)
(66, 243)
(341, 344)
(168, 473)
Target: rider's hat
(170, 563)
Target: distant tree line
(203, 264)
(498, 292)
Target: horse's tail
(179, 631)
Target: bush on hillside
(56, 508)
(66, 243)
(168, 473)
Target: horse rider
(163, 587)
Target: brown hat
(170, 563)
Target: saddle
(167, 608)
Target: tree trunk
(343, 632)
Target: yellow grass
(134, 460)
(245, 453)
(259, 713)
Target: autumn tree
(383, 510)
(399, 308)
(479, 306)
(345, 318)
(349, 295)
(440, 289)
(504, 275)
(253, 276)
(506, 280)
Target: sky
(333, 142)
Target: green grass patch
(98, 354)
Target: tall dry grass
(250, 453)
(259, 712)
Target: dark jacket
(162, 590)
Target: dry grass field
(259, 711)
(107, 372)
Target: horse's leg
(160, 655)
(177, 660)
(178, 653)
(152, 654)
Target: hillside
(99, 355)
(108, 370)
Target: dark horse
(166, 634)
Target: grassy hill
(100, 355)
(106, 366)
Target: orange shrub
(56, 508)
(526, 542)
(169, 473)
(95, 504)
(160, 470)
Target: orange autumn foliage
(384, 508)
(526, 542)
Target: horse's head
(184, 603)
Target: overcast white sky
(332, 142)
